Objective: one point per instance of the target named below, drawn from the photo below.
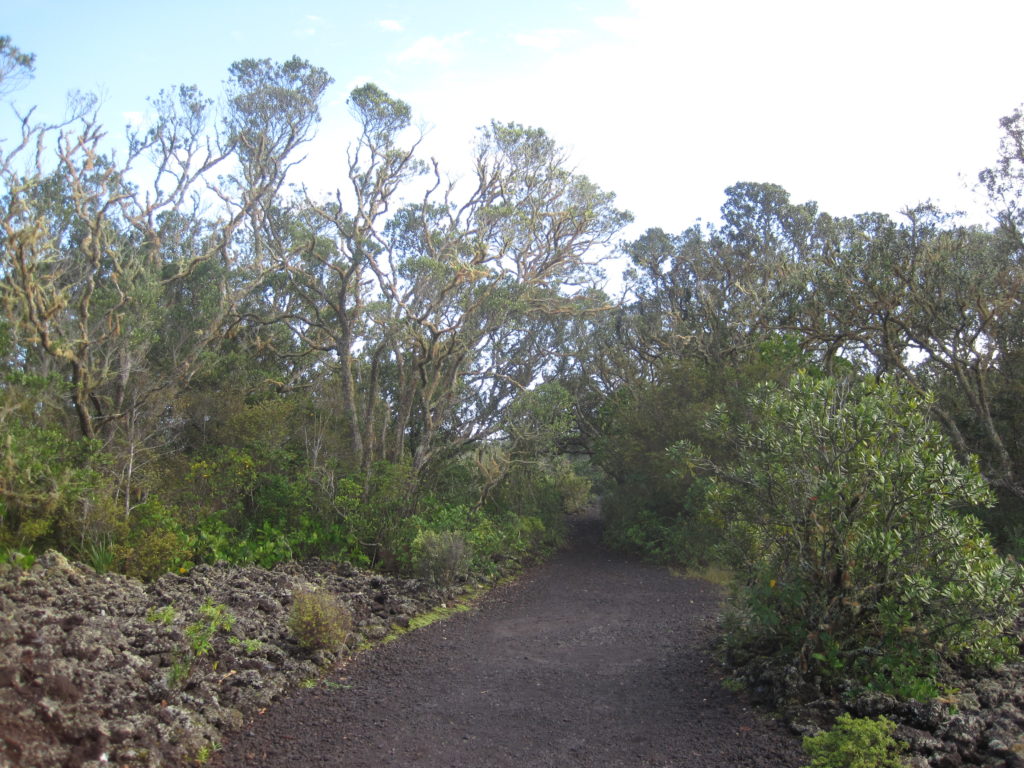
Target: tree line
(196, 353)
(201, 361)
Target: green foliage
(205, 752)
(318, 620)
(165, 615)
(249, 644)
(841, 504)
(650, 509)
(156, 543)
(178, 672)
(49, 484)
(856, 743)
(442, 557)
(22, 558)
(213, 618)
(459, 538)
(378, 520)
(213, 540)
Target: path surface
(587, 660)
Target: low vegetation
(319, 621)
(859, 742)
(829, 408)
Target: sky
(866, 106)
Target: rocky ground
(104, 670)
(980, 722)
(588, 660)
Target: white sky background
(859, 106)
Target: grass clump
(856, 742)
(318, 621)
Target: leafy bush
(841, 504)
(156, 544)
(489, 538)
(855, 743)
(319, 621)
(442, 557)
(48, 484)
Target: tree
(15, 65)
(432, 317)
(843, 507)
(717, 292)
(1004, 181)
(103, 272)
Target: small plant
(20, 557)
(443, 557)
(178, 673)
(860, 742)
(213, 618)
(165, 615)
(249, 644)
(319, 621)
(733, 684)
(100, 555)
(205, 752)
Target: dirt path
(588, 660)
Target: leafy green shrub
(157, 542)
(442, 557)
(318, 620)
(48, 484)
(489, 538)
(841, 504)
(855, 743)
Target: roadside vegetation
(200, 362)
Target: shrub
(842, 506)
(156, 544)
(319, 621)
(441, 556)
(49, 485)
(855, 743)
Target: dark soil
(587, 660)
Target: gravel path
(587, 660)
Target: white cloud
(439, 50)
(391, 25)
(544, 39)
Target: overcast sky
(860, 106)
